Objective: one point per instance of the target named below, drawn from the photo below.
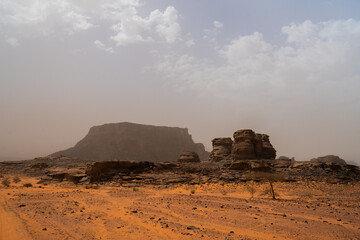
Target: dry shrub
(6, 182)
(192, 191)
(27, 185)
(16, 179)
(251, 188)
(267, 177)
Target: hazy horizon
(290, 69)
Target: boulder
(221, 149)
(187, 157)
(329, 159)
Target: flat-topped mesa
(130, 141)
(221, 149)
(247, 145)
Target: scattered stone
(192, 228)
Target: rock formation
(130, 141)
(221, 149)
(189, 157)
(244, 145)
(329, 159)
(268, 151)
(247, 145)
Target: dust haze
(287, 72)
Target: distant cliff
(130, 141)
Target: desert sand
(303, 210)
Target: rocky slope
(130, 141)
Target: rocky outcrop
(101, 171)
(247, 145)
(329, 159)
(244, 145)
(221, 149)
(129, 141)
(186, 157)
(268, 151)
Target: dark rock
(107, 169)
(247, 145)
(75, 178)
(244, 145)
(187, 157)
(192, 228)
(221, 149)
(268, 151)
(329, 159)
(40, 166)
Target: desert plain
(302, 210)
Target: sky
(287, 68)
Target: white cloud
(327, 52)
(44, 14)
(133, 28)
(78, 21)
(102, 46)
(218, 24)
(32, 17)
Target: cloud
(121, 16)
(218, 24)
(102, 46)
(190, 43)
(315, 54)
(132, 28)
(45, 14)
(13, 42)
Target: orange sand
(65, 211)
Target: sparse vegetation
(6, 182)
(16, 179)
(268, 177)
(251, 188)
(1, 176)
(192, 191)
(135, 189)
(27, 185)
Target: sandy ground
(215, 211)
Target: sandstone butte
(130, 141)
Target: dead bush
(251, 188)
(267, 177)
(6, 182)
(16, 179)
